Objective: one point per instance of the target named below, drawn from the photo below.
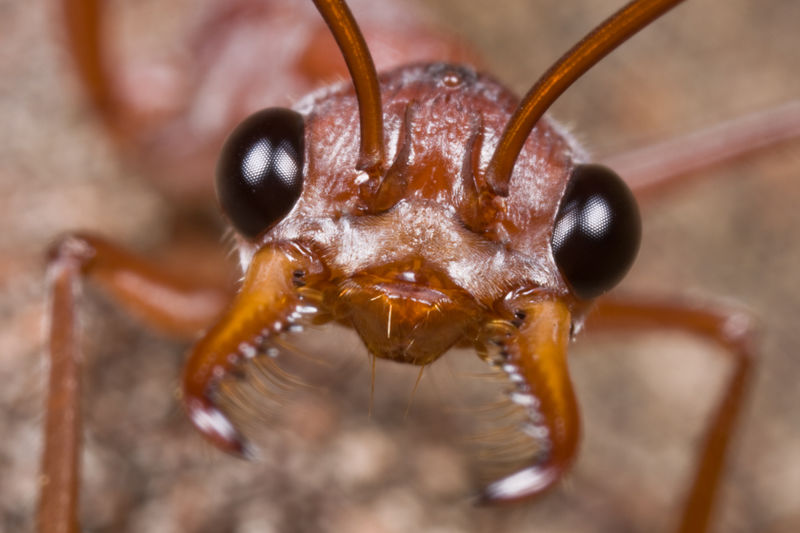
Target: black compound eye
(260, 169)
(597, 230)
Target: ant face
(402, 258)
(416, 260)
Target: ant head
(425, 245)
(407, 180)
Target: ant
(518, 316)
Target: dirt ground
(332, 466)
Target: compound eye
(260, 170)
(597, 231)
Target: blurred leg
(653, 169)
(169, 303)
(733, 331)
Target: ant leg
(734, 331)
(58, 502)
(170, 303)
(533, 354)
(175, 304)
(83, 21)
(653, 169)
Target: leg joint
(73, 250)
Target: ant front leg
(167, 302)
(734, 332)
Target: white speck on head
(361, 177)
(408, 276)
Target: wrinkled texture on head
(432, 115)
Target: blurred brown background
(731, 236)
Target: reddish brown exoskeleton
(411, 227)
